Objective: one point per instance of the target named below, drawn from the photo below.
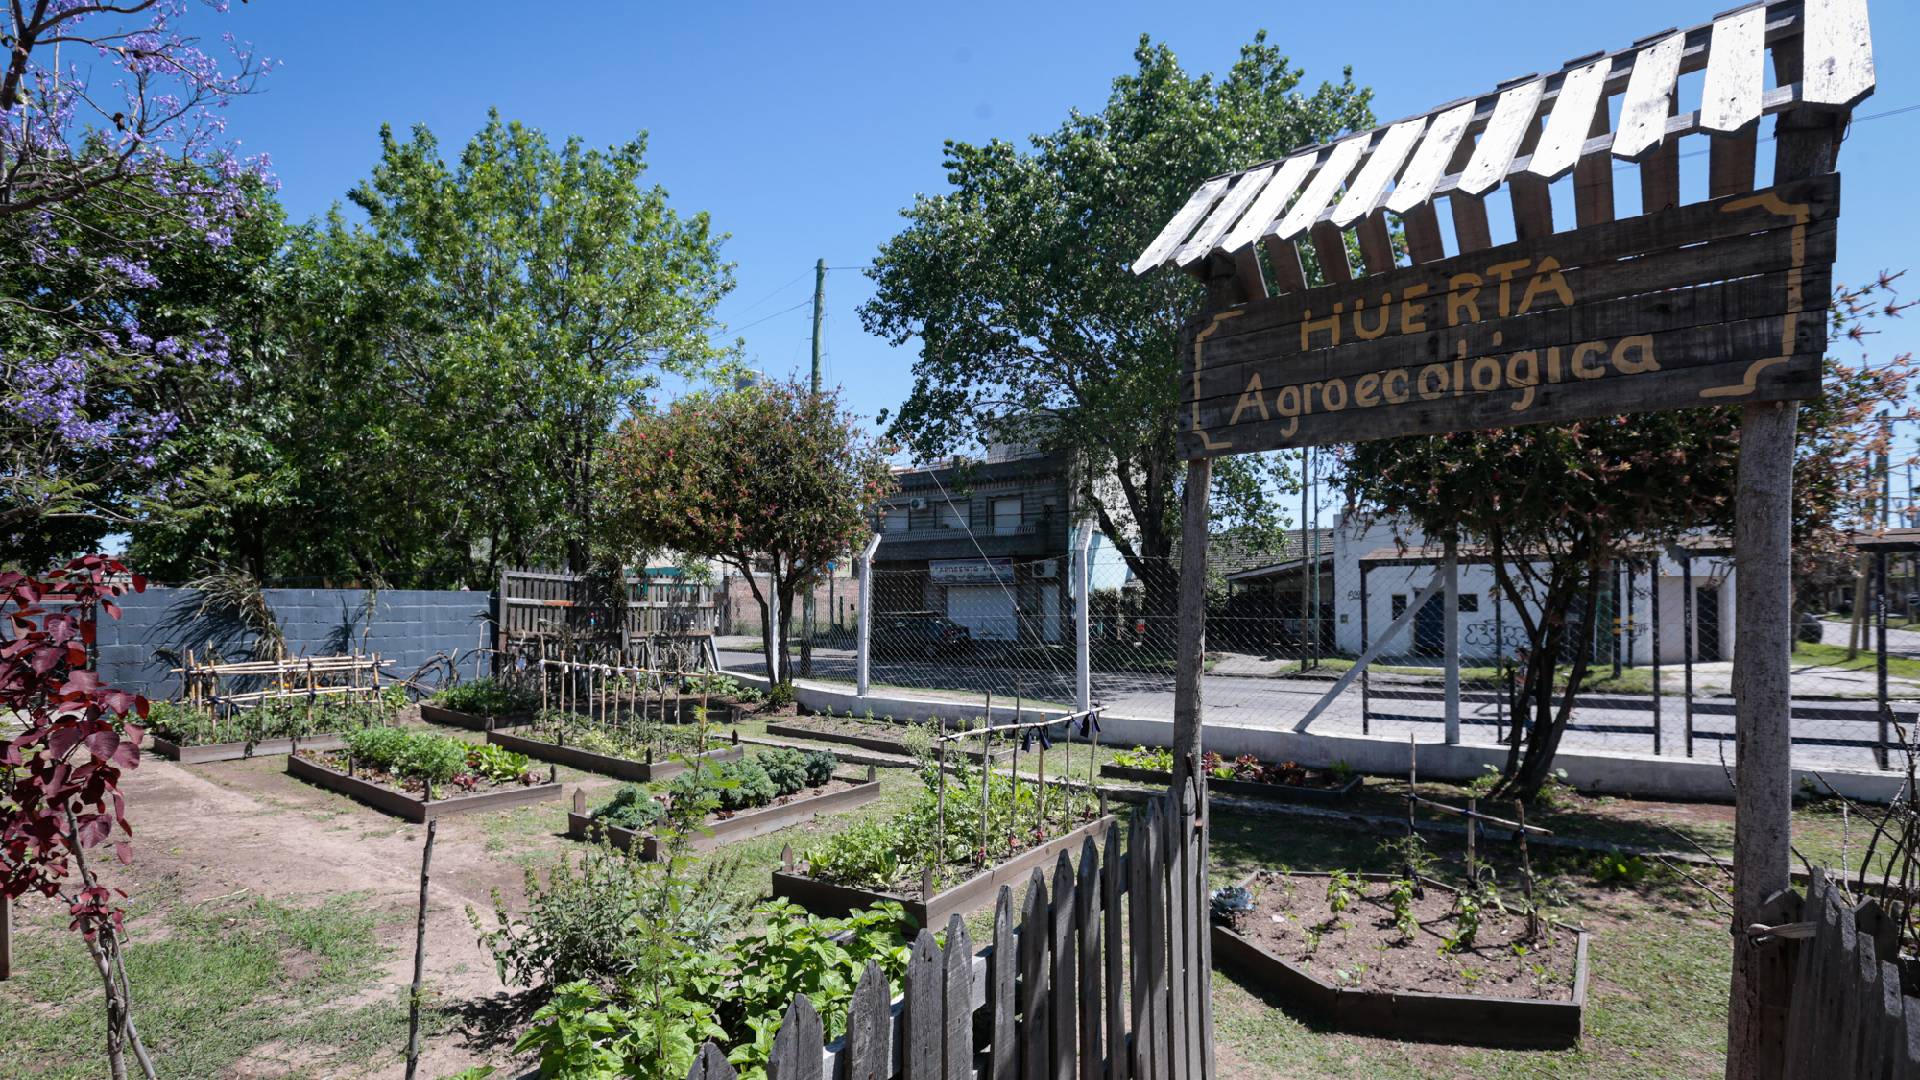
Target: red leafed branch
(61, 775)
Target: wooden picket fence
(1849, 1015)
(1086, 987)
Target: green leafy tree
(1031, 326)
(770, 480)
(1556, 505)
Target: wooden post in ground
(6, 939)
(1451, 616)
(1192, 641)
(1806, 142)
(419, 955)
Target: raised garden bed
(844, 793)
(200, 754)
(625, 768)
(826, 898)
(863, 734)
(1355, 971)
(1332, 790)
(435, 714)
(407, 804)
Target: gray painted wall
(407, 628)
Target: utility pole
(807, 620)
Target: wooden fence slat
(1909, 1045)
(1034, 1036)
(1193, 985)
(1844, 968)
(1808, 1011)
(1205, 930)
(1150, 954)
(1140, 1011)
(1178, 936)
(922, 1010)
(1113, 885)
(1176, 231)
(1643, 108)
(1736, 77)
(711, 1064)
(1272, 200)
(1004, 1063)
(1511, 122)
(870, 1027)
(1839, 53)
(1062, 975)
(1334, 170)
(1890, 1018)
(1086, 918)
(1245, 187)
(1369, 186)
(1429, 163)
(1571, 120)
(957, 1023)
(797, 1048)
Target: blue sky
(804, 129)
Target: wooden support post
(1192, 645)
(419, 954)
(1451, 614)
(6, 939)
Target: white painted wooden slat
(1429, 163)
(1170, 237)
(1272, 199)
(1571, 121)
(1735, 75)
(1838, 52)
(1644, 108)
(1512, 118)
(1364, 194)
(1333, 172)
(1245, 187)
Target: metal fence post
(1082, 630)
(863, 633)
(1451, 609)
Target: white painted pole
(863, 634)
(1452, 617)
(1082, 629)
(775, 629)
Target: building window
(895, 520)
(1399, 604)
(1469, 602)
(1006, 516)
(953, 516)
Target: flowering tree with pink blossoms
(116, 174)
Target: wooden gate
(1849, 1014)
(1104, 977)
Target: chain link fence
(1282, 641)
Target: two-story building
(987, 544)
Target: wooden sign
(1713, 303)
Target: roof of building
(1240, 556)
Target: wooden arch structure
(1729, 292)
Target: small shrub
(483, 697)
(1343, 889)
(1616, 868)
(819, 765)
(1158, 758)
(497, 763)
(435, 759)
(780, 696)
(1400, 894)
(786, 767)
(751, 786)
(379, 747)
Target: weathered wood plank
(1648, 100)
(1471, 231)
(1736, 79)
(1086, 920)
(1429, 163)
(1113, 886)
(1571, 122)
(1268, 205)
(1140, 1051)
(1660, 173)
(797, 1048)
(1204, 931)
(923, 1010)
(1004, 1050)
(1062, 975)
(1336, 166)
(1369, 187)
(1180, 1032)
(1846, 963)
(1730, 162)
(1838, 53)
(869, 1052)
(1330, 251)
(1226, 213)
(956, 1024)
(1181, 225)
(1153, 970)
(1593, 179)
(1512, 119)
(1424, 242)
(711, 1064)
(1376, 246)
(1283, 258)
(1036, 1035)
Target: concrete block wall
(407, 628)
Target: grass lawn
(1835, 656)
(1600, 678)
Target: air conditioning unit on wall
(1047, 569)
(917, 504)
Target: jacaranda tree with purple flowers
(115, 168)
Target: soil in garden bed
(1360, 948)
(337, 760)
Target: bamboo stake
(1473, 825)
(419, 955)
(1526, 872)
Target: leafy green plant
(865, 856)
(785, 766)
(1466, 923)
(632, 807)
(751, 786)
(1616, 868)
(1343, 889)
(1410, 854)
(484, 697)
(497, 763)
(1400, 894)
(1157, 758)
(1342, 771)
(434, 759)
(378, 747)
(780, 696)
(819, 766)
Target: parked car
(919, 633)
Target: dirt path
(246, 827)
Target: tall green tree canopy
(1016, 281)
(454, 366)
(771, 480)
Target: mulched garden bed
(200, 754)
(842, 793)
(1320, 785)
(434, 714)
(826, 898)
(664, 768)
(407, 800)
(1355, 971)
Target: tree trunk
(1550, 725)
(785, 593)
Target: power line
(775, 315)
